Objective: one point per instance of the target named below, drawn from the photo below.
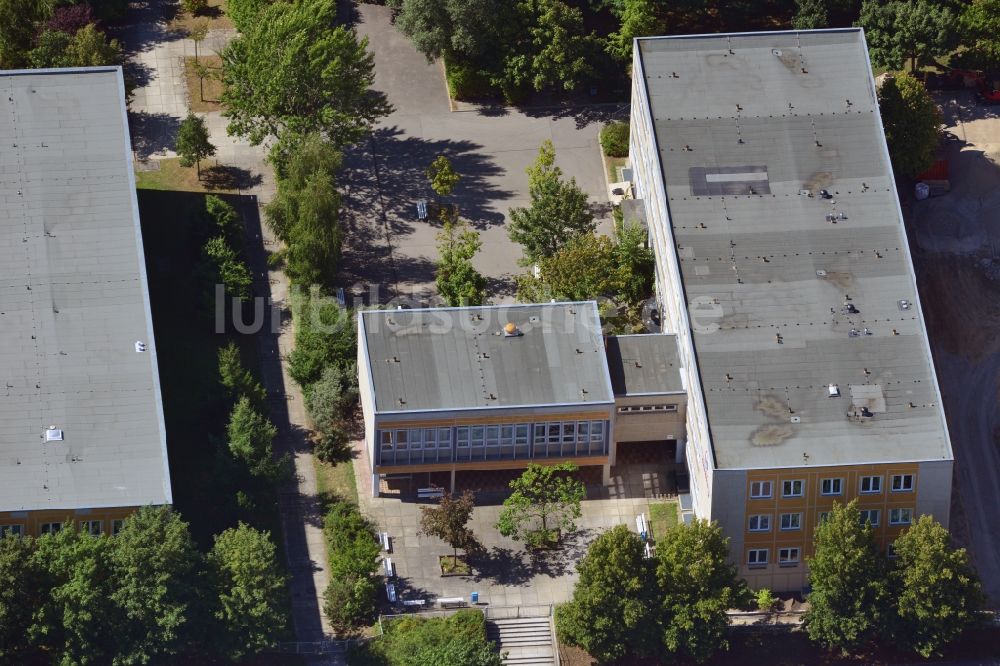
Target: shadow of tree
(145, 26)
(224, 177)
(584, 115)
(500, 565)
(152, 133)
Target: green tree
(249, 590)
(848, 578)
(89, 48)
(232, 271)
(544, 504)
(333, 445)
(549, 48)
(237, 379)
(901, 30)
(449, 520)
(19, 595)
(980, 26)
(244, 13)
(226, 220)
(558, 212)
(349, 601)
(194, 7)
(698, 585)
(193, 143)
(636, 18)
(315, 236)
(18, 26)
(810, 14)
(936, 592)
(457, 280)
(74, 618)
(325, 334)
(154, 566)
(912, 123)
(613, 609)
(458, 640)
(251, 436)
(442, 175)
(583, 269)
(296, 69)
(636, 262)
(353, 552)
(468, 28)
(331, 398)
(296, 156)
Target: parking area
(956, 239)
(490, 148)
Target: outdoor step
(543, 635)
(520, 620)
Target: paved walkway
(158, 105)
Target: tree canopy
(613, 611)
(457, 280)
(458, 640)
(545, 502)
(980, 26)
(193, 144)
(249, 587)
(442, 176)
(467, 27)
(250, 436)
(847, 574)
(697, 586)
(295, 68)
(636, 18)
(901, 30)
(912, 122)
(558, 211)
(936, 593)
(449, 520)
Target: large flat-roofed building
(81, 423)
(784, 271)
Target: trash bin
(475, 597)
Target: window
(870, 516)
(444, 438)
(788, 557)
(51, 528)
(521, 434)
(760, 489)
(832, 487)
(891, 552)
(476, 434)
(760, 523)
(646, 409)
(93, 527)
(900, 516)
(823, 515)
(871, 485)
(597, 431)
(402, 439)
(492, 435)
(757, 557)
(386, 436)
(792, 488)
(791, 521)
(902, 483)
(16, 530)
(462, 437)
(116, 526)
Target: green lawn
(662, 516)
(335, 481)
(171, 176)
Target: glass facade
(508, 441)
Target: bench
(390, 570)
(422, 209)
(641, 526)
(648, 551)
(386, 541)
(430, 493)
(451, 602)
(390, 592)
(414, 602)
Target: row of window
(492, 442)
(95, 527)
(787, 557)
(761, 522)
(629, 409)
(867, 485)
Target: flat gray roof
(789, 291)
(73, 301)
(459, 358)
(644, 364)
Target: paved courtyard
(505, 573)
(490, 147)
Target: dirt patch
(771, 435)
(961, 305)
(773, 406)
(204, 83)
(214, 15)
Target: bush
(349, 599)
(459, 640)
(194, 7)
(614, 139)
(466, 82)
(325, 334)
(332, 397)
(333, 446)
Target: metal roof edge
(749, 33)
(143, 283)
(438, 410)
(480, 307)
(910, 461)
(363, 344)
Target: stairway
(526, 640)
